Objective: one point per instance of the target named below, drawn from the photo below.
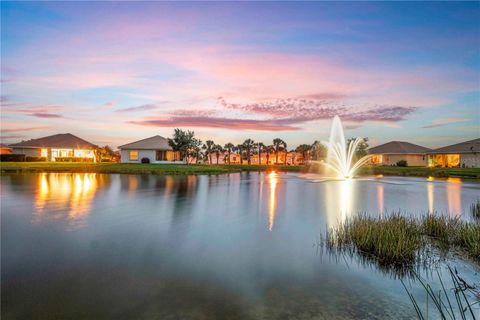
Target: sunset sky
(113, 73)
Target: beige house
(153, 150)
(390, 153)
(465, 154)
(58, 147)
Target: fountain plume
(340, 157)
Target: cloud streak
(443, 122)
(145, 107)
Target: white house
(465, 155)
(155, 149)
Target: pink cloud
(216, 122)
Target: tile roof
(398, 147)
(62, 140)
(155, 143)
(462, 147)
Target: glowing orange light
(273, 180)
(72, 191)
(430, 187)
(380, 199)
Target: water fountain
(340, 157)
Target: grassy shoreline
(125, 168)
(398, 239)
(469, 173)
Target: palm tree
(239, 149)
(303, 149)
(248, 146)
(218, 150)
(268, 150)
(229, 147)
(278, 144)
(208, 147)
(261, 147)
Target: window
(160, 155)
(134, 155)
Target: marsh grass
(400, 240)
(475, 210)
(459, 302)
(395, 240)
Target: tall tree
(361, 149)
(278, 145)
(218, 149)
(304, 149)
(229, 147)
(248, 146)
(268, 150)
(239, 149)
(261, 146)
(319, 151)
(184, 142)
(208, 149)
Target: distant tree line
(191, 149)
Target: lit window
(44, 153)
(160, 155)
(134, 155)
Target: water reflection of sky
(237, 242)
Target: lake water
(236, 246)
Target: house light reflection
(454, 197)
(272, 180)
(430, 188)
(380, 199)
(59, 191)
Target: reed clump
(467, 236)
(394, 240)
(397, 240)
(475, 210)
(440, 228)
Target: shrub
(145, 160)
(35, 159)
(73, 159)
(402, 163)
(12, 157)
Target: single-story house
(465, 154)
(4, 149)
(156, 149)
(390, 153)
(64, 145)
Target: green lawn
(473, 173)
(137, 168)
(218, 169)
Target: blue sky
(116, 72)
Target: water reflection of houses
(63, 196)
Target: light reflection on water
(273, 180)
(73, 192)
(237, 245)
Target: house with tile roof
(61, 146)
(464, 154)
(390, 153)
(152, 150)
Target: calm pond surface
(236, 246)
